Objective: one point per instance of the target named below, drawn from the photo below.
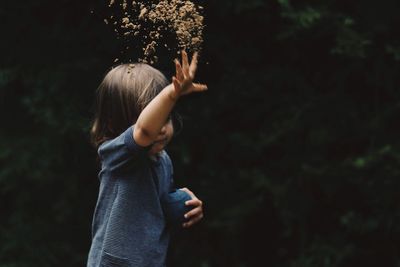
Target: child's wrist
(172, 95)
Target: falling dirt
(150, 20)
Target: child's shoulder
(116, 142)
(122, 146)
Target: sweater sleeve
(121, 151)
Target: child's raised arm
(154, 116)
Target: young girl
(137, 204)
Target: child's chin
(154, 150)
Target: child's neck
(155, 156)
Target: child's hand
(196, 214)
(185, 73)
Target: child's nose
(163, 130)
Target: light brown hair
(122, 95)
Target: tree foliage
(294, 149)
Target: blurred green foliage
(294, 149)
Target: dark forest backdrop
(294, 149)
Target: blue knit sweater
(136, 206)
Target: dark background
(294, 149)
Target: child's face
(163, 138)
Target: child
(137, 202)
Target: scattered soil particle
(180, 17)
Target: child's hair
(122, 95)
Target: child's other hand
(185, 73)
(195, 214)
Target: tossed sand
(148, 20)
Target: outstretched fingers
(179, 73)
(199, 87)
(185, 64)
(176, 83)
(185, 74)
(193, 65)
